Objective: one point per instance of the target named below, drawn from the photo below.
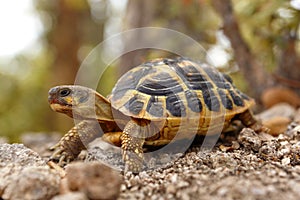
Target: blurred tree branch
(256, 76)
(138, 14)
(288, 71)
(72, 28)
(188, 17)
(283, 85)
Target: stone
(34, 140)
(278, 94)
(19, 155)
(94, 179)
(277, 125)
(30, 183)
(249, 139)
(281, 110)
(277, 118)
(106, 153)
(297, 116)
(71, 196)
(25, 175)
(293, 130)
(3, 140)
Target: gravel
(240, 166)
(263, 167)
(243, 166)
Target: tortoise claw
(57, 153)
(52, 148)
(60, 156)
(61, 160)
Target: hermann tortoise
(148, 105)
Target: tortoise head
(80, 102)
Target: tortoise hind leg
(132, 140)
(248, 120)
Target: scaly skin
(73, 142)
(133, 147)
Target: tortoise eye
(64, 92)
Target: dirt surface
(240, 166)
(269, 170)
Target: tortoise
(148, 106)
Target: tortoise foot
(60, 155)
(133, 163)
(258, 128)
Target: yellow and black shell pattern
(177, 88)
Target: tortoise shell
(177, 88)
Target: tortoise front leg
(132, 141)
(73, 142)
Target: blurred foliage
(196, 18)
(265, 24)
(25, 80)
(23, 103)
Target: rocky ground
(240, 166)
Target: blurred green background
(42, 44)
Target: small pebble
(285, 161)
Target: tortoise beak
(58, 102)
(60, 95)
(52, 95)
